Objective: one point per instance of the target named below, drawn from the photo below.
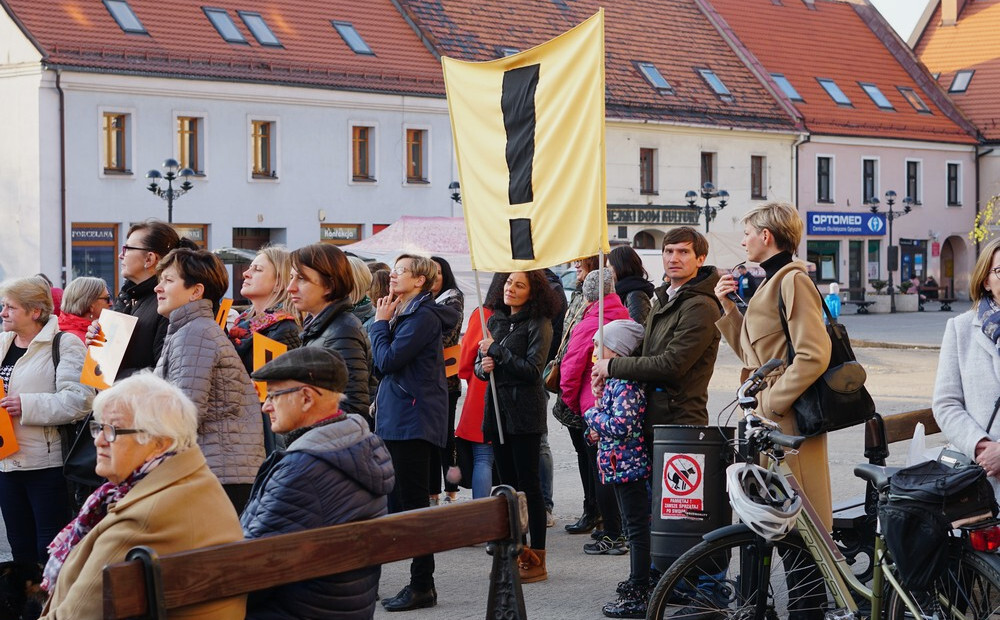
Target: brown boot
(531, 565)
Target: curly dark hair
(542, 300)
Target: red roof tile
(182, 42)
(969, 44)
(674, 35)
(831, 40)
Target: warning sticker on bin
(683, 485)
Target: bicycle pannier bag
(838, 399)
(924, 503)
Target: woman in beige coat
(160, 493)
(771, 234)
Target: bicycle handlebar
(748, 401)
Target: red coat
(577, 362)
(470, 425)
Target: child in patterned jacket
(623, 458)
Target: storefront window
(826, 256)
(913, 254)
(95, 252)
(874, 263)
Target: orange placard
(92, 374)
(264, 350)
(8, 440)
(451, 355)
(223, 314)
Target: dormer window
(353, 39)
(960, 83)
(224, 25)
(125, 16)
(654, 77)
(876, 95)
(834, 91)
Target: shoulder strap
(55, 349)
(784, 317)
(996, 406)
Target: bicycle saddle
(878, 475)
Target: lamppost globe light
(890, 216)
(723, 198)
(456, 191)
(890, 196)
(171, 166)
(691, 197)
(154, 174)
(708, 192)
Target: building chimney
(950, 10)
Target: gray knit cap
(590, 292)
(622, 336)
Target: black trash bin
(688, 487)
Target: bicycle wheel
(740, 576)
(970, 588)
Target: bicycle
(793, 568)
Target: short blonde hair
(158, 407)
(32, 293)
(362, 279)
(981, 272)
(782, 219)
(422, 266)
(82, 292)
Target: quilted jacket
(520, 344)
(336, 329)
(622, 454)
(335, 473)
(49, 396)
(198, 358)
(577, 362)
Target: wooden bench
(148, 586)
(861, 304)
(942, 296)
(854, 519)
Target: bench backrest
(201, 575)
(880, 432)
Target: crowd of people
(360, 417)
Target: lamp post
(708, 192)
(456, 191)
(171, 174)
(890, 215)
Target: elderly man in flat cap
(334, 471)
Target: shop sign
(103, 233)
(652, 215)
(839, 223)
(340, 233)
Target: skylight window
(880, 100)
(352, 38)
(834, 91)
(714, 82)
(507, 51)
(125, 16)
(225, 25)
(654, 77)
(960, 83)
(259, 28)
(913, 99)
(786, 87)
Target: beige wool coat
(759, 337)
(179, 506)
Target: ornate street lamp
(890, 215)
(456, 191)
(708, 192)
(172, 174)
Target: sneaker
(607, 546)
(550, 519)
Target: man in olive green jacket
(681, 343)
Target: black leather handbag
(838, 399)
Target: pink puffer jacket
(574, 369)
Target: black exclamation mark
(518, 104)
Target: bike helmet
(763, 500)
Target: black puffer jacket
(336, 329)
(144, 348)
(520, 345)
(635, 293)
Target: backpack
(925, 502)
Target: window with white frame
(116, 143)
(954, 184)
(913, 179)
(824, 179)
(263, 149)
(647, 171)
(190, 142)
(869, 179)
(416, 156)
(758, 182)
(362, 153)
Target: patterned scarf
(245, 327)
(989, 314)
(93, 511)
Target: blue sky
(902, 14)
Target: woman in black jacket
(447, 293)
(320, 286)
(514, 351)
(631, 282)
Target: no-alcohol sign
(682, 484)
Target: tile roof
(969, 44)
(831, 39)
(183, 43)
(673, 34)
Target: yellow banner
(529, 141)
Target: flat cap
(313, 366)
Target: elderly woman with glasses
(159, 493)
(82, 302)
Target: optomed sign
(840, 223)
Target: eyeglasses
(272, 395)
(110, 432)
(106, 298)
(399, 270)
(996, 271)
(126, 248)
